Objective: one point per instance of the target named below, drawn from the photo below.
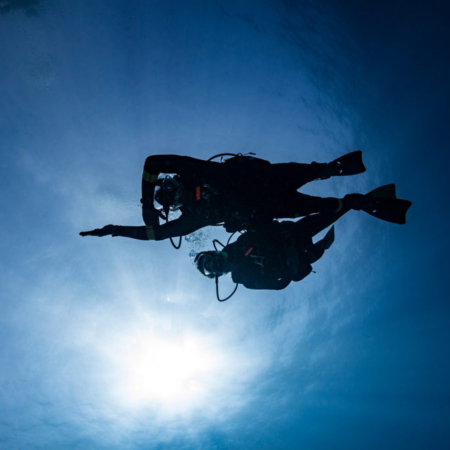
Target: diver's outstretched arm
(117, 230)
(181, 165)
(179, 227)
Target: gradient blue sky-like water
(121, 344)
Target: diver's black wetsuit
(241, 192)
(278, 253)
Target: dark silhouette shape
(278, 253)
(241, 193)
(28, 6)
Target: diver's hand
(105, 231)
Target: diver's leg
(298, 204)
(298, 174)
(314, 224)
(305, 229)
(293, 204)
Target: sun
(164, 369)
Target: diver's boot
(349, 164)
(381, 203)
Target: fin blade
(351, 163)
(326, 242)
(390, 209)
(386, 191)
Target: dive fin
(386, 191)
(327, 240)
(385, 205)
(319, 247)
(389, 209)
(381, 203)
(349, 164)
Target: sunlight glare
(166, 370)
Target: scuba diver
(280, 252)
(242, 193)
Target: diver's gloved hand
(105, 231)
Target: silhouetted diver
(242, 193)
